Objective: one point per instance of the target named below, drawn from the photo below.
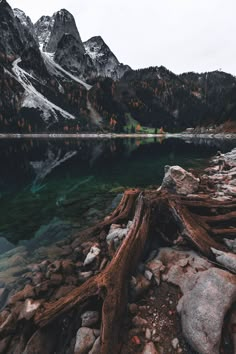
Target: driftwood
(197, 219)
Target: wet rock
(204, 306)
(85, 339)
(228, 260)
(150, 349)
(92, 255)
(89, 318)
(139, 321)
(5, 245)
(179, 181)
(54, 267)
(29, 309)
(96, 347)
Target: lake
(65, 185)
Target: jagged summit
(103, 58)
(50, 30)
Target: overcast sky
(183, 35)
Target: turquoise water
(63, 185)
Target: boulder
(85, 339)
(204, 306)
(179, 181)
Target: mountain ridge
(58, 68)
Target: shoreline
(118, 136)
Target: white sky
(182, 35)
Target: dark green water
(62, 185)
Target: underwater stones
(179, 181)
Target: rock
(118, 234)
(228, 260)
(96, 347)
(175, 343)
(41, 342)
(150, 349)
(83, 276)
(89, 318)
(85, 339)
(139, 321)
(148, 275)
(136, 340)
(133, 308)
(92, 255)
(27, 292)
(29, 309)
(68, 267)
(148, 334)
(204, 306)
(231, 244)
(179, 181)
(56, 279)
(139, 286)
(5, 245)
(156, 266)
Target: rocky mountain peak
(103, 58)
(50, 30)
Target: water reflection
(76, 182)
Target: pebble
(148, 334)
(148, 275)
(175, 343)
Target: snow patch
(34, 99)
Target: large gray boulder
(179, 181)
(204, 306)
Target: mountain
(155, 97)
(105, 62)
(51, 81)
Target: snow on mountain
(43, 29)
(105, 62)
(34, 99)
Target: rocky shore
(181, 292)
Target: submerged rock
(179, 181)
